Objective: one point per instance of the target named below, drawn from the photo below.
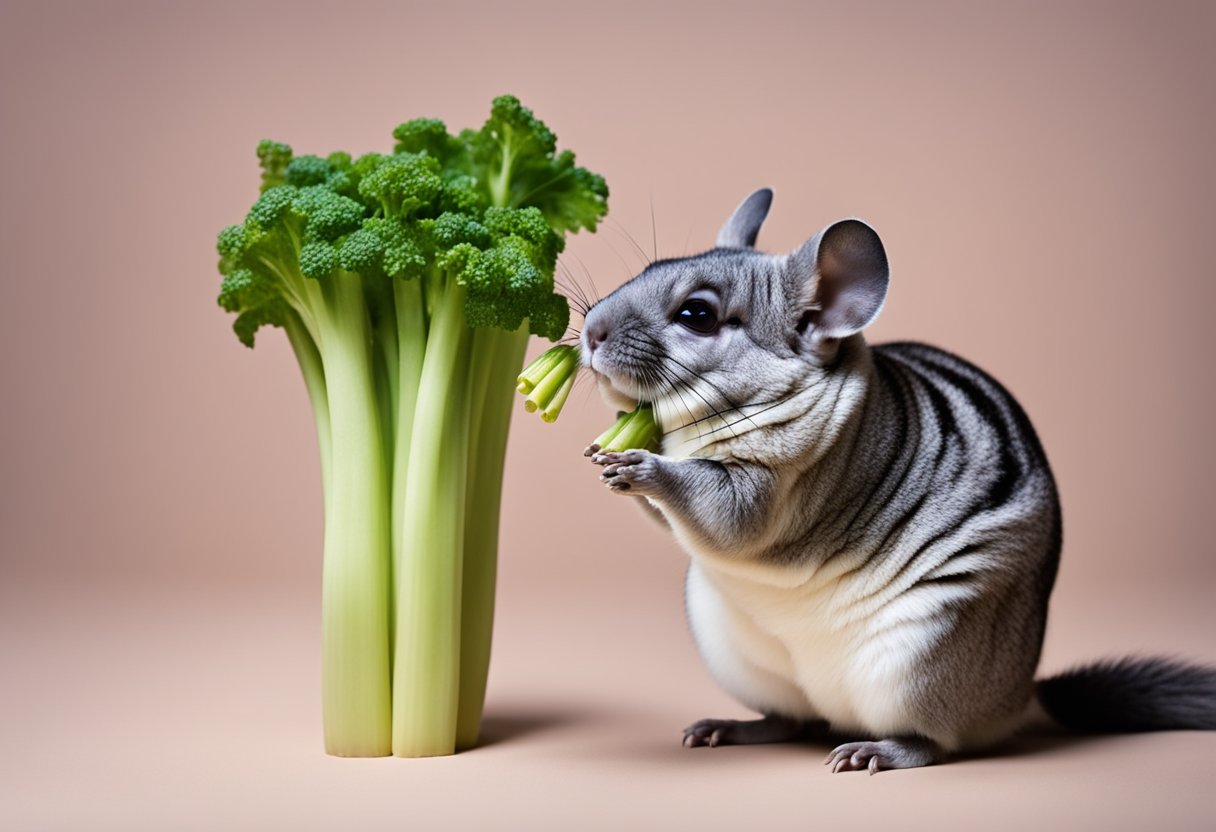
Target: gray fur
(895, 484)
(1151, 694)
(839, 278)
(715, 732)
(902, 752)
(744, 224)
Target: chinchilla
(873, 532)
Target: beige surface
(157, 708)
(1041, 176)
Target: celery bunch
(408, 283)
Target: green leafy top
(516, 155)
(487, 209)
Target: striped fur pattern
(873, 532)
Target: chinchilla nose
(597, 333)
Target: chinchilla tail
(1133, 694)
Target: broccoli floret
(362, 252)
(271, 206)
(273, 157)
(326, 215)
(317, 259)
(550, 317)
(429, 136)
(530, 226)
(367, 163)
(245, 289)
(461, 195)
(403, 184)
(307, 170)
(452, 229)
(407, 246)
(458, 259)
(504, 285)
(246, 325)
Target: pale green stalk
(548, 386)
(554, 407)
(501, 359)
(426, 670)
(411, 351)
(636, 429)
(314, 381)
(354, 596)
(387, 372)
(603, 440)
(540, 367)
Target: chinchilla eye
(698, 316)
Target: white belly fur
(808, 649)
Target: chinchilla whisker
(636, 247)
(674, 386)
(634, 349)
(629, 271)
(574, 297)
(776, 403)
(574, 307)
(572, 302)
(718, 390)
(722, 414)
(654, 234)
(715, 389)
(580, 379)
(693, 421)
(595, 292)
(575, 288)
(678, 386)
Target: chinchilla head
(733, 326)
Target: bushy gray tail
(1132, 695)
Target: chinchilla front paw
(634, 473)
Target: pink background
(1041, 176)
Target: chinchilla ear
(741, 229)
(838, 280)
